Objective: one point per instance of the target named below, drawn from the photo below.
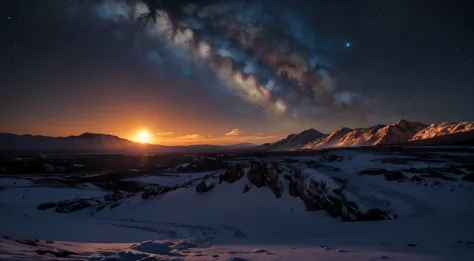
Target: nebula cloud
(267, 59)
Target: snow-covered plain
(435, 222)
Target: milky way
(269, 59)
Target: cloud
(233, 137)
(191, 137)
(164, 134)
(234, 132)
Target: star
(348, 44)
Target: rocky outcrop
(55, 252)
(388, 174)
(320, 191)
(71, 205)
(205, 185)
(202, 164)
(156, 191)
(273, 179)
(257, 174)
(233, 172)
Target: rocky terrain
(340, 202)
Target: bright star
(348, 44)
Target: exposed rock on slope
(293, 141)
(331, 140)
(376, 135)
(399, 132)
(443, 128)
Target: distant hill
(98, 143)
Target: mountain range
(98, 143)
(401, 133)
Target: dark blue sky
(67, 69)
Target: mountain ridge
(402, 132)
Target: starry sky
(227, 72)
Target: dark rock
(204, 185)
(56, 253)
(272, 179)
(72, 205)
(468, 177)
(372, 171)
(394, 175)
(416, 178)
(388, 174)
(115, 204)
(49, 242)
(246, 188)
(331, 158)
(293, 190)
(114, 197)
(319, 192)
(24, 241)
(257, 173)
(233, 173)
(412, 245)
(203, 164)
(47, 205)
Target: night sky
(254, 70)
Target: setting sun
(143, 137)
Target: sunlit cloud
(191, 137)
(234, 138)
(164, 134)
(234, 132)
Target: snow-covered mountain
(443, 128)
(397, 133)
(293, 141)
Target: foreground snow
(435, 221)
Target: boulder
(273, 179)
(257, 173)
(233, 172)
(205, 185)
(394, 175)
